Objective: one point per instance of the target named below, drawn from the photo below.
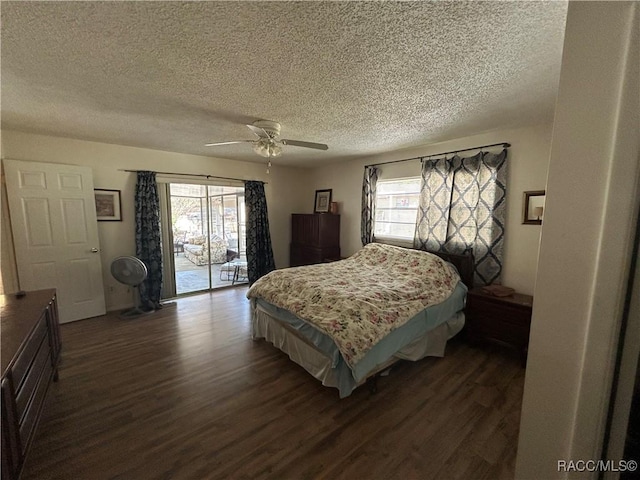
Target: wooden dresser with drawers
(314, 238)
(30, 354)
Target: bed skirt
(320, 365)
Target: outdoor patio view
(209, 241)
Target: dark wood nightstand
(504, 320)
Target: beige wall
(292, 190)
(283, 189)
(591, 212)
(527, 170)
(8, 272)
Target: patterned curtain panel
(259, 252)
(148, 244)
(368, 204)
(463, 209)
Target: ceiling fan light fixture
(261, 149)
(275, 150)
(267, 148)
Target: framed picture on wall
(323, 201)
(533, 207)
(108, 208)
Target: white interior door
(55, 233)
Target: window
(397, 204)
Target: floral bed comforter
(358, 301)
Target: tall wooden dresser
(30, 354)
(315, 238)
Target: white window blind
(397, 203)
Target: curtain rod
(196, 175)
(504, 144)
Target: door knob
(94, 250)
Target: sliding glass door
(227, 218)
(207, 231)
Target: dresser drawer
(32, 413)
(24, 394)
(23, 362)
(508, 320)
(501, 312)
(304, 255)
(516, 333)
(307, 255)
(11, 450)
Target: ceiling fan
(269, 144)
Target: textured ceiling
(362, 77)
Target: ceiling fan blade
(298, 143)
(226, 143)
(260, 132)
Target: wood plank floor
(186, 394)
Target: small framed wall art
(108, 207)
(323, 201)
(533, 207)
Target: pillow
(197, 240)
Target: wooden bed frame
(464, 264)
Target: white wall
(591, 210)
(528, 160)
(283, 188)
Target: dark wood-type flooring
(186, 394)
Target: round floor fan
(130, 271)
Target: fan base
(272, 128)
